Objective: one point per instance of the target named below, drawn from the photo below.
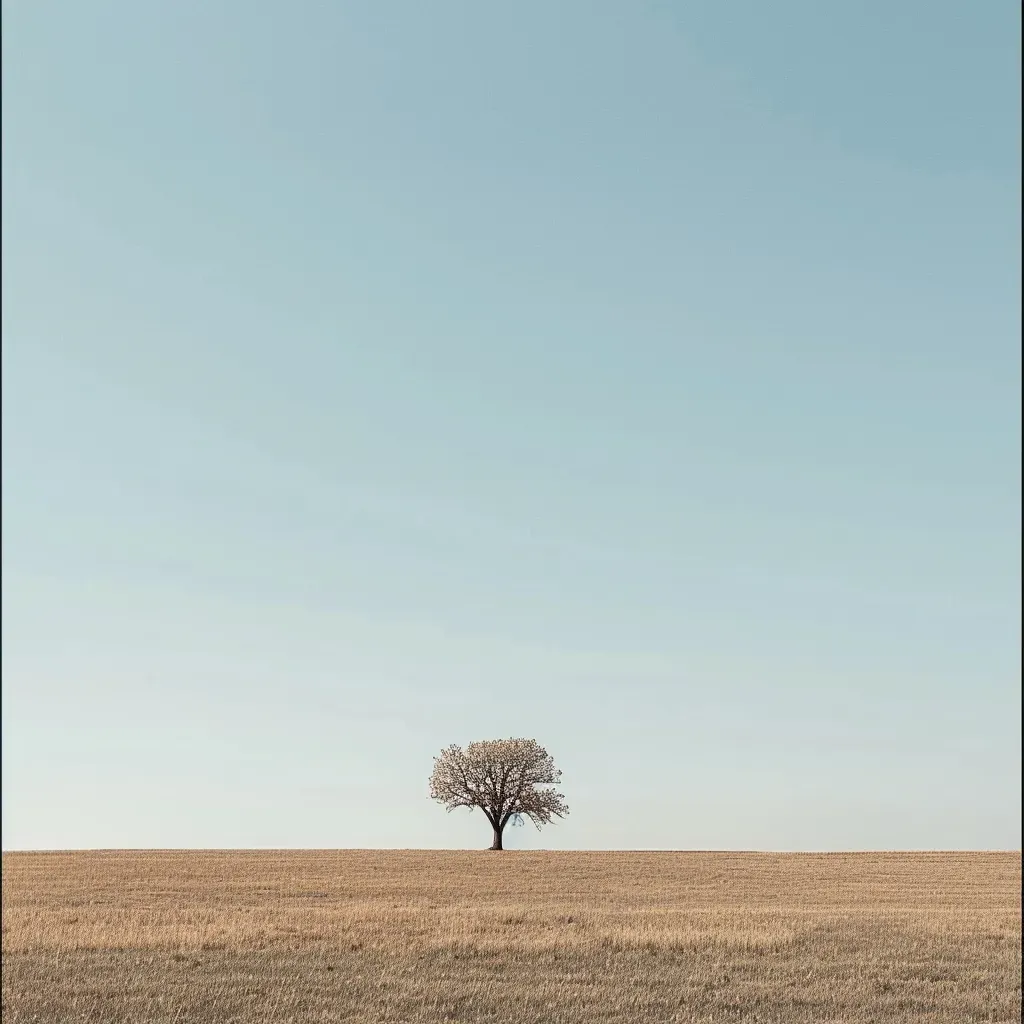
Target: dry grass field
(403, 936)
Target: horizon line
(481, 849)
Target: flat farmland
(538, 937)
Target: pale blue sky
(642, 378)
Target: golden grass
(531, 937)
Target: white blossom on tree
(501, 777)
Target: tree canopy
(504, 778)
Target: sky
(641, 378)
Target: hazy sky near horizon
(644, 378)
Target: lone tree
(501, 777)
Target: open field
(519, 937)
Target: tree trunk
(496, 845)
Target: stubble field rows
(535, 938)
